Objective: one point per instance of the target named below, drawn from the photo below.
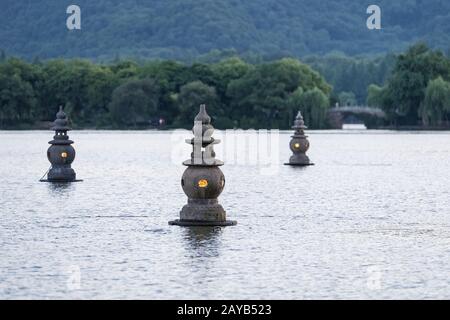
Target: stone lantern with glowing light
(203, 181)
(61, 153)
(299, 143)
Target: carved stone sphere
(61, 154)
(202, 182)
(299, 145)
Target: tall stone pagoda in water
(299, 143)
(203, 181)
(61, 153)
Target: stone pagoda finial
(61, 123)
(202, 115)
(299, 123)
(203, 143)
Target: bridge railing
(359, 110)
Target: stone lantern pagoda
(61, 153)
(203, 181)
(299, 144)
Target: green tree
(82, 87)
(170, 76)
(190, 97)
(228, 70)
(410, 77)
(374, 96)
(262, 94)
(134, 102)
(314, 105)
(125, 69)
(18, 92)
(436, 105)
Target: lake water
(370, 220)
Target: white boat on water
(354, 126)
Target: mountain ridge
(185, 29)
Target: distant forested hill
(185, 29)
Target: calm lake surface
(370, 220)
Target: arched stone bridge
(372, 117)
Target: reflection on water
(300, 168)
(375, 205)
(60, 190)
(202, 239)
(60, 187)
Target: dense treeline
(126, 94)
(185, 29)
(413, 89)
(418, 90)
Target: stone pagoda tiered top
(61, 126)
(203, 143)
(299, 124)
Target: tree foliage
(19, 85)
(190, 97)
(134, 102)
(374, 96)
(352, 75)
(262, 95)
(404, 95)
(128, 94)
(313, 104)
(436, 105)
